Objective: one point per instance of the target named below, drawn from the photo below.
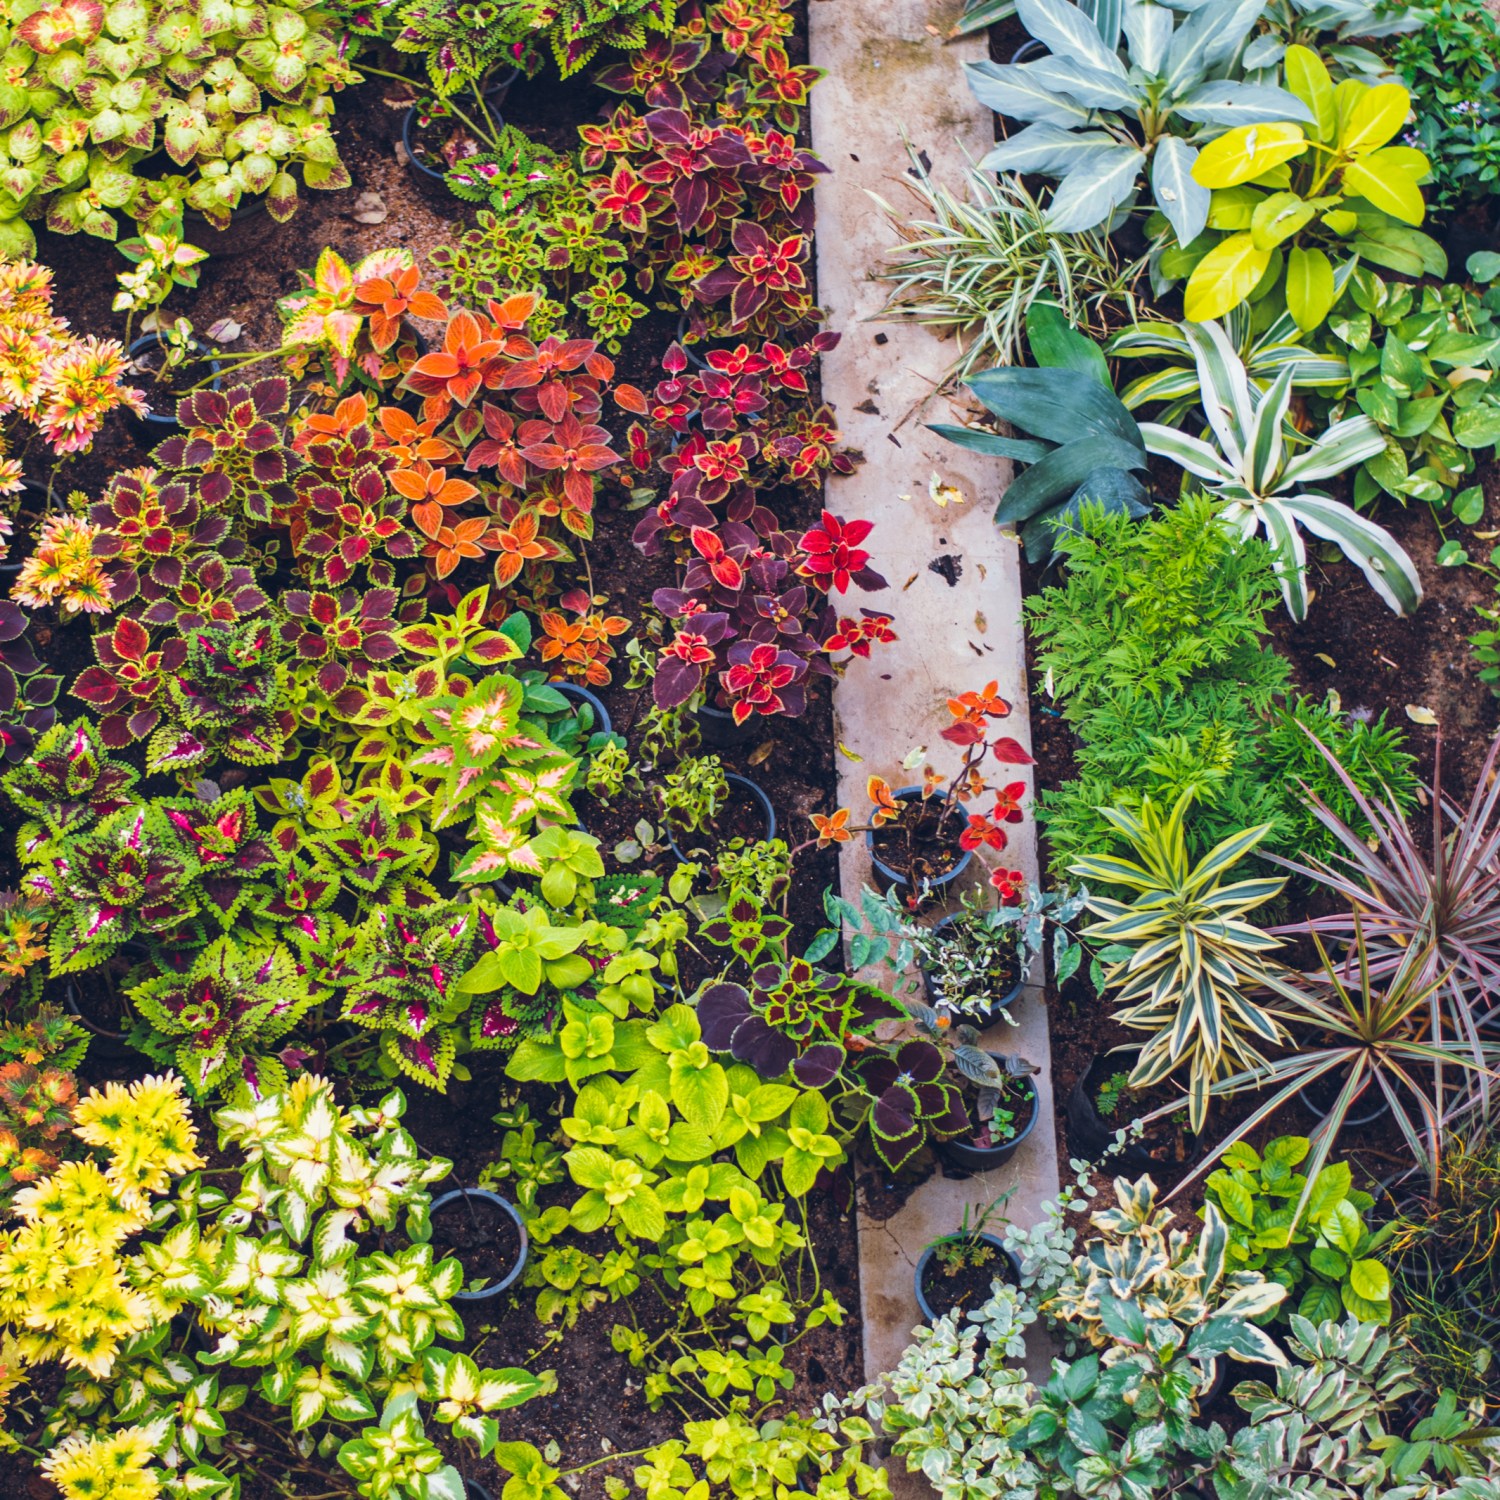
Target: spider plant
(1263, 486)
(1188, 957)
(1376, 1039)
(973, 264)
(1437, 892)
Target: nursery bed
(597, 1406)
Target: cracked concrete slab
(955, 578)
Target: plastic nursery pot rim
(744, 783)
(602, 721)
(473, 1490)
(1008, 1259)
(895, 877)
(72, 1005)
(1361, 1110)
(510, 1278)
(986, 1158)
(494, 95)
(936, 995)
(160, 420)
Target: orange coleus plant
(934, 813)
(582, 646)
(353, 318)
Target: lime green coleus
(1282, 190)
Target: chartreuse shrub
(698, 1171)
(238, 97)
(311, 1273)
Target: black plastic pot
(1007, 1269)
(249, 227)
(514, 1274)
(981, 1018)
(434, 182)
(1028, 51)
(473, 1490)
(106, 1045)
(744, 784)
(1090, 1135)
(693, 357)
(972, 1158)
(603, 724)
(888, 878)
(1319, 1097)
(158, 425)
(717, 729)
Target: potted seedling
(705, 808)
(171, 357)
(922, 837)
(956, 1273)
(485, 1232)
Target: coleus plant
(93, 90)
(353, 319)
(52, 380)
(794, 1016)
(219, 1020)
(133, 874)
(68, 783)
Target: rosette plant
(237, 97)
(1262, 484)
(1098, 122)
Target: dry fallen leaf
(225, 331)
(1322, 656)
(369, 208)
(942, 493)
(1419, 715)
(762, 753)
(981, 624)
(914, 758)
(1335, 702)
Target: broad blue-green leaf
(1056, 405)
(1184, 201)
(1056, 344)
(1090, 193)
(1061, 472)
(1066, 31)
(1006, 89)
(1085, 83)
(1148, 28)
(1025, 449)
(1047, 149)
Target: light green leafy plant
(1325, 1253)
(240, 95)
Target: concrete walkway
(955, 585)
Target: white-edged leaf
(1345, 444)
(1371, 548)
(1191, 453)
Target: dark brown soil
(965, 1286)
(921, 844)
(479, 1233)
